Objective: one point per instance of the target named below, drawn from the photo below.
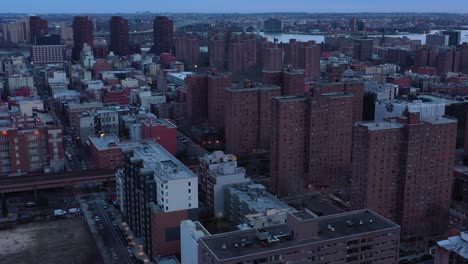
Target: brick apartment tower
(217, 51)
(187, 50)
(247, 117)
(163, 35)
(197, 98)
(315, 130)
(119, 36)
(82, 33)
(38, 27)
(403, 170)
(217, 83)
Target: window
(189, 183)
(189, 191)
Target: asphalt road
(109, 233)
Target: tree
(4, 207)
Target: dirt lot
(60, 241)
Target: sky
(230, 6)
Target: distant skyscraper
(242, 53)
(273, 25)
(312, 54)
(37, 27)
(363, 49)
(163, 30)
(437, 39)
(217, 83)
(454, 37)
(292, 82)
(82, 33)
(217, 51)
(403, 170)
(247, 117)
(187, 50)
(197, 102)
(272, 58)
(119, 36)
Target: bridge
(49, 181)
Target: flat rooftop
(104, 141)
(242, 88)
(315, 203)
(373, 126)
(457, 244)
(256, 200)
(159, 122)
(165, 166)
(442, 120)
(345, 225)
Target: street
(102, 220)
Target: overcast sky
(229, 6)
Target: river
(283, 37)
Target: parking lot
(65, 240)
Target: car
(30, 204)
(101, 227)
(97, 219)
(106, 206)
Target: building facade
(403, 171)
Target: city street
(106, 229)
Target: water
(11, 52)
(283, 37)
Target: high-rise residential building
(217, 50)
(38, 27)
(17, 31)
(48, 54)
(311, 137)
(454, 37)
(218, 170)
(163, 30)
(247, 117)
(425, 56)
(272, 59)
(158, 192)
(217, 83)
(187, 50)
(291, 53)
(119, 36)
(273, 25)
(437, 40)
(242, 53)
(363, 49)
(403, 170)
(448, 60)
(353, 237)
(82, 34)
(293, 82)
(197, 99)
(311, 56)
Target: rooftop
(242, 243)
(156, 158)
(180, 75)
(159, 122)
(373, 126)
(242, 88)
(257, 198)
(104, 142)
(457, 244)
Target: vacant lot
(60, 241)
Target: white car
(96, 218)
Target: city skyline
(240, 6)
